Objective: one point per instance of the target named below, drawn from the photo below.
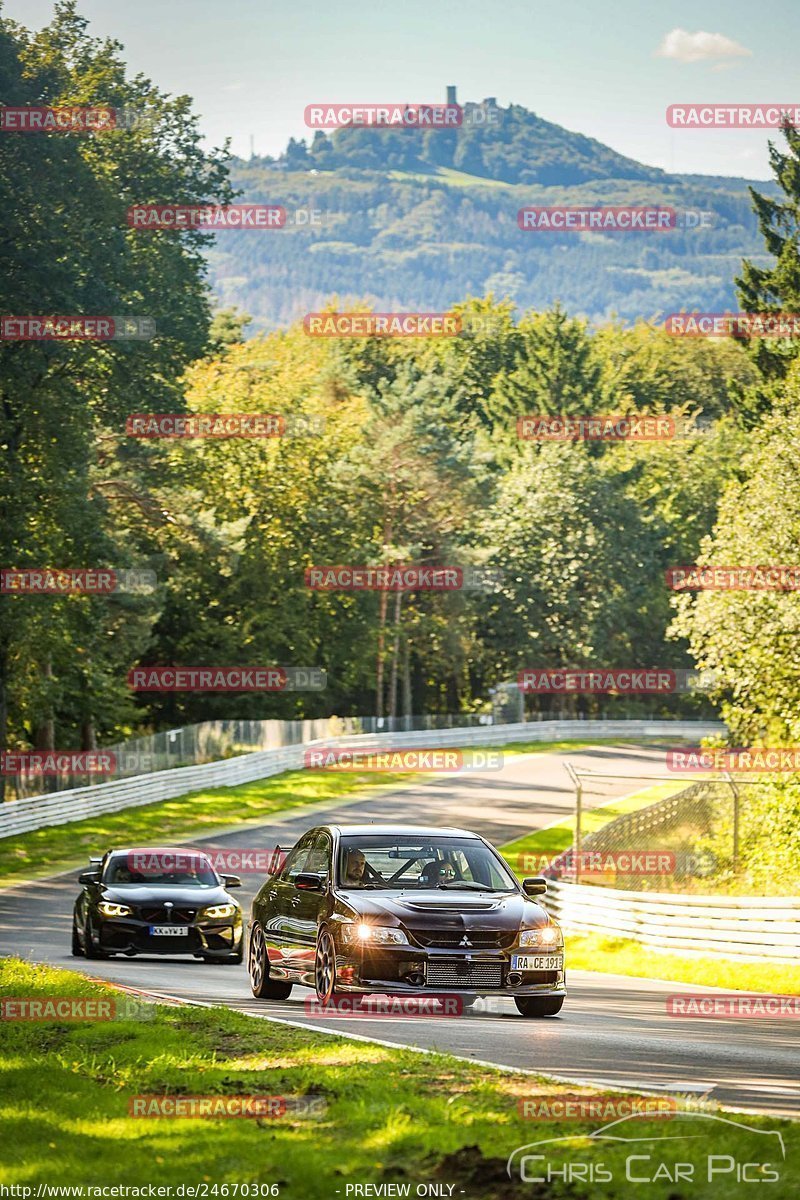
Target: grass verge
(622, 956)
(594, 952)
(388, 1116)
(556, 838)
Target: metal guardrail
(743, 928)
(61, 808)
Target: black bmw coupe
(399, 909)
(150, 901)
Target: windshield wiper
(464, 883)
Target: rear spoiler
(278, 859)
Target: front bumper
(410, 970)
(128, 935)
(478, 972)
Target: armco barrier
(60, 808)
(743, 928)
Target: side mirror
(231, 881)
(305, 881)
(87, 877)
(534, 887)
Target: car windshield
(451, 863)
(197, 873)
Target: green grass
(389, 1115)
(449, 175)
(201, 814)
(594, 952)
(559, 837)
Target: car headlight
(546, 935)
(113, 910)
(219, 910)
(373, 935)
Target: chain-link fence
(724, 835)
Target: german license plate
(537, 962)
(167, 931)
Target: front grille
(478, 939)
(457, 972)
(168, 916)
(138, 936)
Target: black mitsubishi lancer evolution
(400, 909)
(151, 901)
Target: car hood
(189, 897)
(442, 909)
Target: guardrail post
(578, 815)
(735, 790)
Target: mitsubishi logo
(465, 942)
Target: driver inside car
(434, 873)
(355, 869)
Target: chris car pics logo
(698, 1149)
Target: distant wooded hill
(413, 219)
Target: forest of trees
(415, 458)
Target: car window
(297, 858)
(402, 861)
(160, 870)
(319, 860)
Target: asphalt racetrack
(613, 1030)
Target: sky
(606, 69)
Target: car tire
(77, 948)
(539, 1006)
(262, 987)
(88, 948)
(325, 968)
